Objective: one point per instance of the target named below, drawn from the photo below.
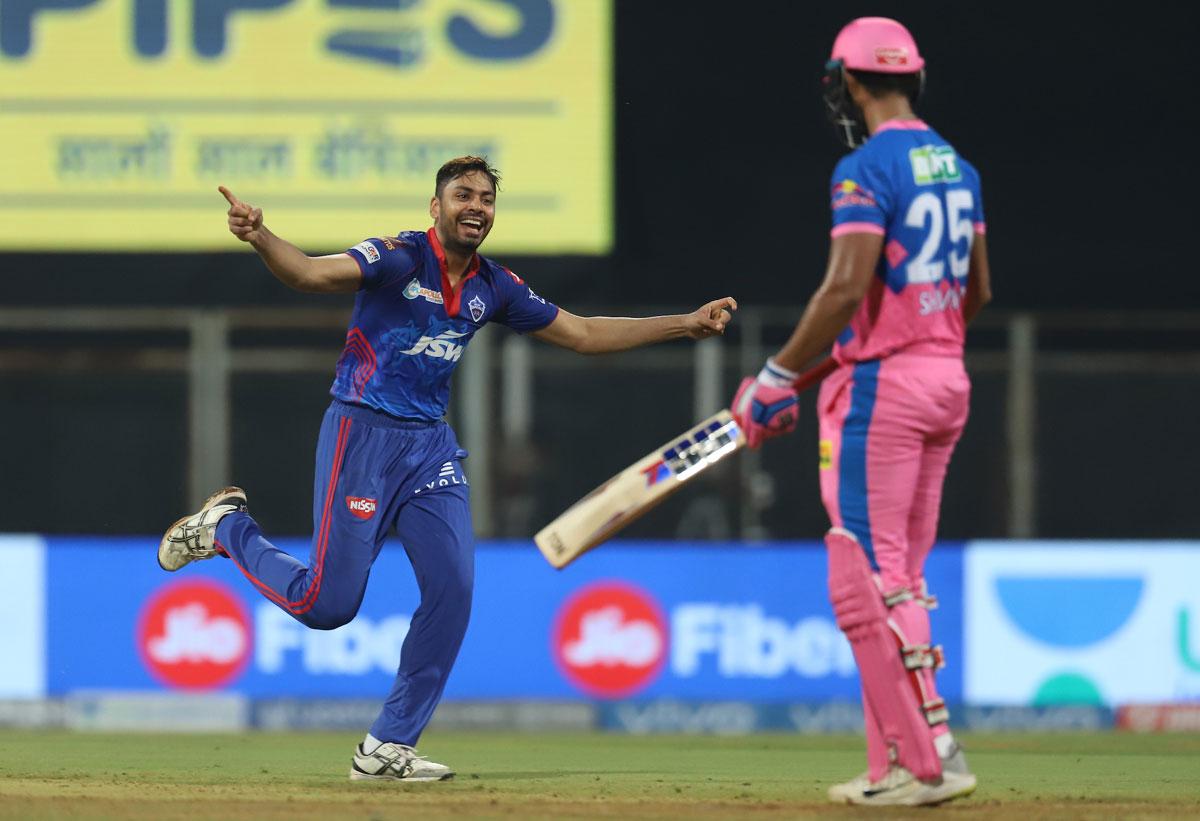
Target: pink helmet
(877, 44)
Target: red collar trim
(450, 296)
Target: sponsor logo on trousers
(360, 507)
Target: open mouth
(473, 225)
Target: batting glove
(765, 406)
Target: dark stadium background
(1079, 120)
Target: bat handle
(816, 373)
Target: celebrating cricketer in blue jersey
(386, 460)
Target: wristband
(776, 375)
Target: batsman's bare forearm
(979, 280)
(848, 274)
(825, 316)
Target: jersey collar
(450, 296)
(902, 125)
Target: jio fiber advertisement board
(119, 118)
(630, 621)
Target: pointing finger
(229, 197)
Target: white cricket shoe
(844, 792)
(900, 788)
(191, 538)
(954, 764)
(396, 762)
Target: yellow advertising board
(119, 118)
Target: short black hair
(464, 165)
(879, 84)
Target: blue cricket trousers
(375, 472)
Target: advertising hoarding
(119, 119)
(1082, 622)
(629, 621)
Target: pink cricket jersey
(909, 186)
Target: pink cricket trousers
(888, 428)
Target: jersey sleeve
(858, 198)
(524, 310)
(383, 260)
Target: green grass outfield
(297, 776)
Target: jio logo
(194, 635)
(610, 639)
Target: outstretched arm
(333, 274)
(605, 334)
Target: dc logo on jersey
(610, 639)
(194, 635)
(477, 307)
(362, 508)
(535, 297)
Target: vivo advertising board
(1077, 622)
(628, 621)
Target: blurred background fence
(126, 416)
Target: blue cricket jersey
(409, 328)
(911, 187)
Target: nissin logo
(391, 36)
(610, 639)
(360, 507)
(194, 635)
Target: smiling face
(464, 211)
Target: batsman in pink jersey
(907, 271)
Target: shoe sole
(212, 500)
(355, 775)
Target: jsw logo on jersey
(439, 347)
(363, 646)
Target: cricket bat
(638, 488)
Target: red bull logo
(194, 635)
(610, 639)
(848, 192)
